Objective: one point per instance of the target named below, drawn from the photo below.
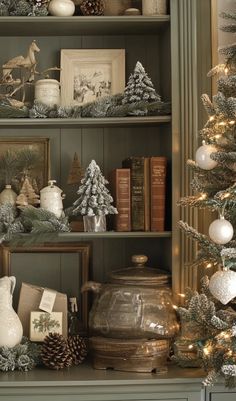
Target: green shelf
(79, 25)
(84, 122)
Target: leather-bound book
(158, 192)
(120, 188)
(140, 198)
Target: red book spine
(121, 193)
(158, 192)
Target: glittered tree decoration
(94, 197)
(215, 189)
(76, 171)
(140, 88)
(27, 195)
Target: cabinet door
(222, 397)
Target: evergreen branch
(228, 15)
(228, 28)
(197, 201)
(213, 249)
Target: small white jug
(11, 330)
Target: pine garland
(41, 224)
(23, 357)
(108, 106)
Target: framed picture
(63, 267)
(87, 75)
(43, 323)
(32, 156)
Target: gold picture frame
(22, 267)
(41, 171)
(88, 74)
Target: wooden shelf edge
(99, 25)
(115, 234)
(84, 122)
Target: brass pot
(135, 304)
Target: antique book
(158, 192)
(140, 192)
(120, 187)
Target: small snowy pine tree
(94, 198)
(140, 87)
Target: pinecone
(92, 7)
(55, 352)
(78, 348)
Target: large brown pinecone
(78, 348)
(92, 7)
(55, 352)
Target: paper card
(47, 300)
(43, 323)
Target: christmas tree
(215, 189)
(94, 198)
(140, 87)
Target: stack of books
(139, 192)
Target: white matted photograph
(87, 75)
(43, 323)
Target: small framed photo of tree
(43, 323)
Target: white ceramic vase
(61, 8)
(8, 196)
(154, 7)
(11, 330)
(47, 91)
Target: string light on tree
(203, 156)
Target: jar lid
(140, 274)
(51, 187)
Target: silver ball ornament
(223, 285)
(221, 231)
(203, 158)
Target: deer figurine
(28, 62)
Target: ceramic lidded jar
(11, 328)
(61, 8)
(136, 303)
(47, 91)
(51, 198)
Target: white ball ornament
(221, 231)
(203, 158)
(223, 285)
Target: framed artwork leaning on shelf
(24, 156)
(88, 74)
(62, 266)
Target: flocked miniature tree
(94, 197)
(140, 88)
(215, 189)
